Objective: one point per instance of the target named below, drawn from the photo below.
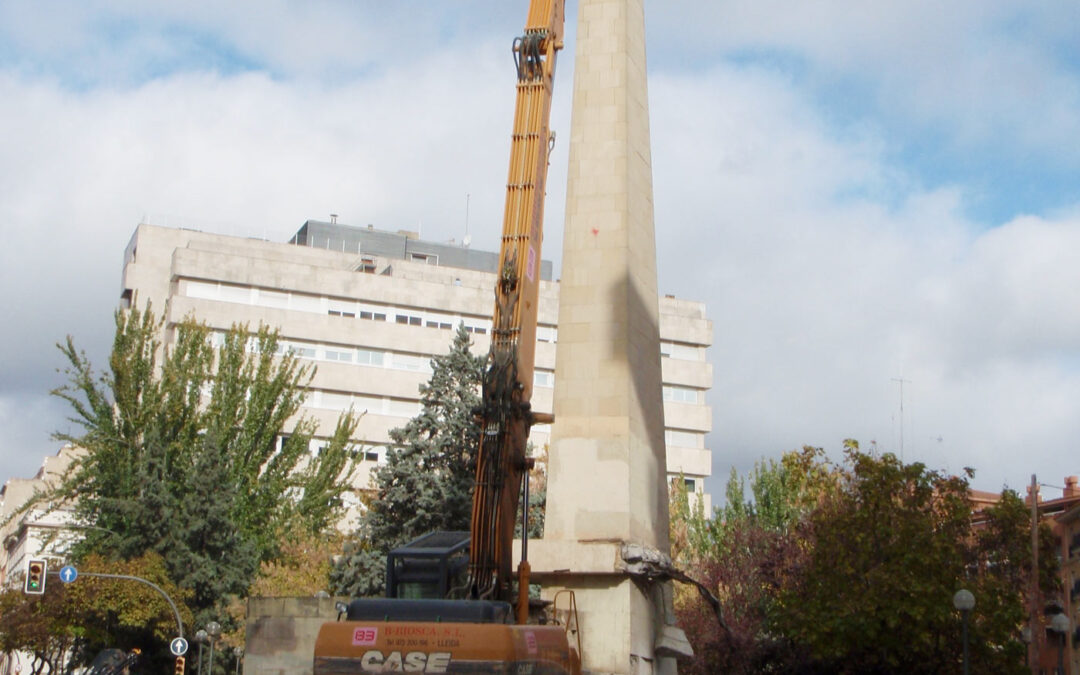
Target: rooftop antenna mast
(901, 381)
(467, 240)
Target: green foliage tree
(184, 456)
(851, 568)
(888, 553)
(301, 569)
(743, 555)
(426, 483)
(45, 628)
(71, 623)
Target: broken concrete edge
(608, 557)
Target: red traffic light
(35, 576)
(179, 665)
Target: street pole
(1061, 624)
(1061, 655)
(964, 601)
(200, 637)
(967, 656)
(213, 629)
(1033, 647)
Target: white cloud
(827, 268)
(830, 272)
(967, 72)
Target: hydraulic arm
(505, 414)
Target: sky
(879, 203)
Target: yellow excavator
(489, 630)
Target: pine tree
(426, 483)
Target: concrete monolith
(606, 467)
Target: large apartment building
(372, 307)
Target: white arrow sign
(178, 646)
(68, 574)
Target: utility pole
(1036, 633)
(901, 381)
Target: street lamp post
(1025, 635)
(238, 652)
(1060, 624)
(214, 630)
(200, 637)
(964, 601)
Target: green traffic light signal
(35, 576)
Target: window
(301, 302)
(426, 258)
(366, 266)
(367, 357)
(680, 394)
(402, 408)
(297, 350)
(201, 289)
(371, 455)
(372, 316)
(409, 362)
(343, 356)
(686, 352)
(408, 319)
(342, 308)
(273, 299)
(332, 401)
(684, 439)
(239, 294)
(543, 378)
(691, 484)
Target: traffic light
(179, 665)
(35, 576)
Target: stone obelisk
(607, 466)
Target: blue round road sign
(68, 573)
(178, 646)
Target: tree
(851, 568)
(44, 627)
(426, 483)
(743, 556)
(301, 569)
(887, 550)
(188, 456)
(71, 623)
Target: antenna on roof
(467, 239)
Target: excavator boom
(505, 416)
(463, 636)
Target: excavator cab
(430, 566)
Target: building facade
(371, 308)
(1049, 646)
(34, 529)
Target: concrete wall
(281, 633)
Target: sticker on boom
(364, 636)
